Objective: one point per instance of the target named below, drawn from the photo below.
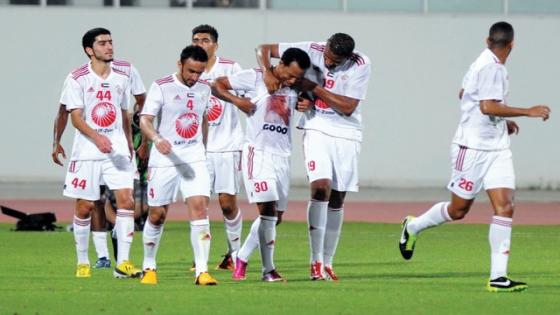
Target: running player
(223, 150)
(178, 159)
(332, 137)
(96, 95)
(481, 157)
(267, 148)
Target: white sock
(316, 223)
(124, 225)
(332, 233)
(100, 244)
(81, 236)
(200, 241)
(499, 237)
(233, 231)
(151, 237)
(251, 241)
(267, 239)
(437, 215)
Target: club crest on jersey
(186, 125)
(105, 85)
(104, 114)
(215, 110)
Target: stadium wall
(410, 114)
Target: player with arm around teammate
(481, 157)
(267, 149)
(332, 136)
(178, 159)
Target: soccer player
(481, 158)
(98, 217)
(178, 159)
(223, 150)
(332, 136)
(267, 148)
(96, 95)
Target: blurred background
(419, 49)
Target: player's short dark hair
(195, 53)
(297, 55)
(89, 37)
(206, 29)
(341, 45)
(500, 35)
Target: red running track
(531, 213)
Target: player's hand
(539, 111)
(103, 143)
(245, 105)
(512, 127)
(142, 152)
(162, 145)
(57, 150)
(279, 215)
(305, 85)
(303, 104)
(271, 82)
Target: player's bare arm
(101, 141)
(127, 128)
(205, 129)
(147, 127)
(60, 122)
(495, 108)
(512, 127)
(221, 89)
(342, 104)
(264, 53)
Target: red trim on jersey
(358, 59)
(120, 72)
(258, 69)
(167, 79)
(224, 60)
(77, 75)
(81, 68)
(250, 162)
(205, 82)
(121, 63)
(318, 47)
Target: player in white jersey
(337, 81)
(96, 95)
(98, 216)
(178, 159)
(266, 151)
(481, 158)
(225, 136)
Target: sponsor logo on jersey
(215, 110)
(279, 129)
(186, 125)
(104, 114)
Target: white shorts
(266, 176)
(225, 169)
(83, 178)
(473, 170)
(331, 158)
(164, 182)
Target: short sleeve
(243, 80)
(358, 82)
(154, 101)
(491, 84)
(72, 95)
(136, 85)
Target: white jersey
(102, 102)
(224, 129)
(268, 129)
(135, 84)
(180, 110)
(487, 79)
(348, 79)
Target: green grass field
(447, 275)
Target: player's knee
(505, 210)
(126, 203)
(157, 216)
(84, 208)
(458, 213)
(321, 192)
